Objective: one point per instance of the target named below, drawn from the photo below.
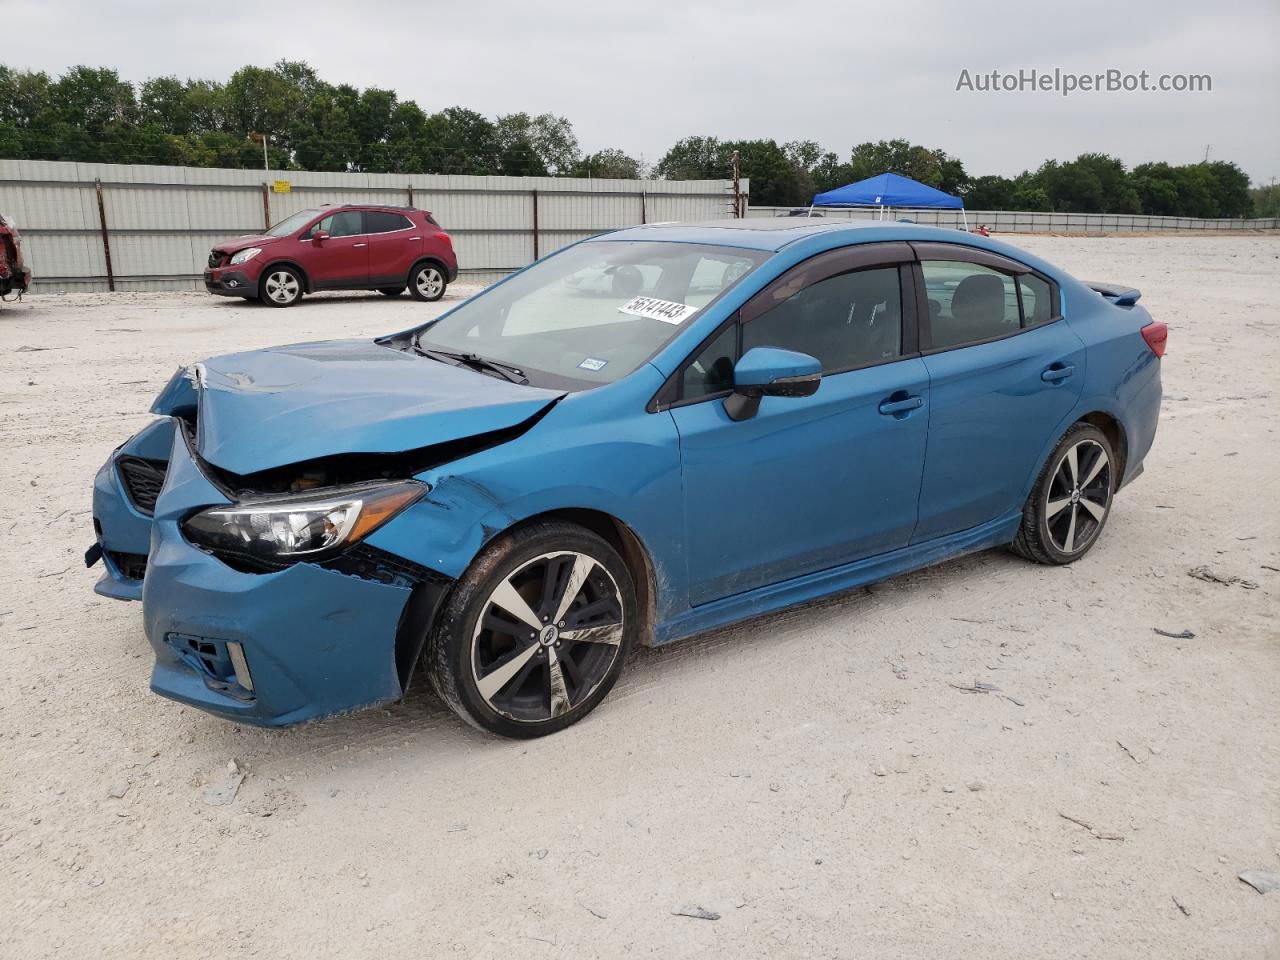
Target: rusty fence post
(106, 240)
(643, 212)
(266, 207)
(535, 224)
(409, 190)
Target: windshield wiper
(476, 362)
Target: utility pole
(1206, 153)
(737, 185)
(266, 166)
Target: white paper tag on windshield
(668, 311)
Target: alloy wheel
(282, 286)
(547, 636)
(430, 282)
(1078, 496)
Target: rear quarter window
(1037, 300)
(382, 221)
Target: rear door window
(968, 303)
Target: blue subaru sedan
(646, 435)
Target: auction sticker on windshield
(668, 311)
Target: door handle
(1058, 371)
(354, 245)
(888, 407)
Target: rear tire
(534, 635)
(427, 282)
(1071, 501)
(281, 287)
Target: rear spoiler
(1120, 296)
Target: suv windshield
(593, 313)
(290, 224)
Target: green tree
(609, 164)
(1157, 187)
(693, 158)
(775, 179)
(1266, 201)
(989, 193)
(163, 103)
(1231, 189)
(1092, 183)
(932, 167)
(461, 141)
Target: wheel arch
(292, 264)
(427, 258)
(1115, 433)
(1098, 416)
(622, 538)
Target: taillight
(1156, 335)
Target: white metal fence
(92, 226)
(1010, 221)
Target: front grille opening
(215, 258)
(131, 565)
(142, 480)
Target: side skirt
(812, 586)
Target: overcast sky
(642, 75)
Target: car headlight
(248, 253)
(301, 526)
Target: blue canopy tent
(886, 191)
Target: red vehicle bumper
(230, 282)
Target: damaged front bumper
(124, 495)
(310, 641)
(273, 648)
(230, 283)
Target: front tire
(1071, 500)
(281, 287)
(535, 633)
(427, 282)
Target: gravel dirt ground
(819, 781)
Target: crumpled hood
(284, 405)
(239, 243)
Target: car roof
(366, 206)
(753, 233)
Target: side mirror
(770, 372)
(320, 236)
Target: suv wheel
(427, 282)
(281, 287)
(534, 634)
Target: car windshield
(290, 224)
(593, 313)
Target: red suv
(346, 247)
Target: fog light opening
(239, 664)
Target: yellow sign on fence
(281, 186)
